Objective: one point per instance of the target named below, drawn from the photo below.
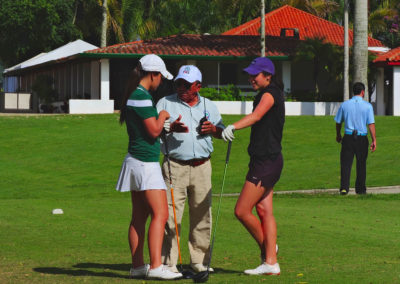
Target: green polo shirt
(140, 106)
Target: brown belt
(193, 162)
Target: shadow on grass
(84, 269)
(81, 272)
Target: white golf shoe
(162, 272)
(139, 272)
(172, 268)
(264, 269)
(199, 267)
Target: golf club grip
(164, 137)
(228, 152)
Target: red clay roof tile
(390, 56)
(309, 26)
(204, 45)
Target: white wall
(91, 106)
(396, 90)
(292, 108)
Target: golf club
(186, 274)
(202, 277)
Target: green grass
(72, 162)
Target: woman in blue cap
(266, 161)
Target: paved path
(370, 190)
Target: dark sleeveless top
(266, 134)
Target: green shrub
(226, 93)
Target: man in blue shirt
(195, 120)
(356, 115)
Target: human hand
(167, 125)
(178, 126)
(164, 114)
(339, 138)
(373, 146)
(207, 128)
(227, 133)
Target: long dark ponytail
(275, 80)
(135, 76)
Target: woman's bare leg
(137, 230)
(268, 224)
(249, 197)
(158, 206)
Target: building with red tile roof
(101, 74)
(390, 58)
(306, 24)
(388, 82)
(187, 46)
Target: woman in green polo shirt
(141, 173)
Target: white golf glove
(227, 133)
(167, 125)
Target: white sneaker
(162, 272)
(199, 267)
(139, 272)
(265, 269)
(172, 268)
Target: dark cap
(259, 65)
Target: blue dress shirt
(189, 145)
(356, 115)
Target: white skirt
(137, 175)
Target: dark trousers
(354, 146)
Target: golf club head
(187, 274)
(201, 277)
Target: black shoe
(344, 192)
(361, 192)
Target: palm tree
(103, 40)
(346, 51)
(360, 44)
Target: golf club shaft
(172, 197)
(219, 202)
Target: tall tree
(104, 24)
(346, 60)
(360, 44)
(29, 27)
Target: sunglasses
(183, 83)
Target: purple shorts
(266, 171)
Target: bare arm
(338, 133)
(155, 126)
(267, 101)
(373, 136)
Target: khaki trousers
(193, 184)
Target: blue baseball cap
(259, 65)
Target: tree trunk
(262, 28)
(360, 44)
(103, 41)
(346, 52)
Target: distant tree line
(28, 27)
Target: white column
(396, 90)
(94, 80)
(105, 79)
(380, 92)
(286, 75)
